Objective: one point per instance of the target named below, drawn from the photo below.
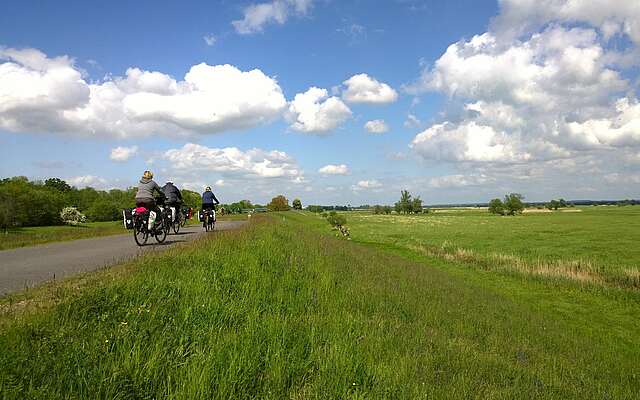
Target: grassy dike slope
(277, 311)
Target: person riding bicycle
(144, 197)
(209, 201)
(174, 198)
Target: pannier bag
(127, 215)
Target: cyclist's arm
(215, 199)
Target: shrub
(297, 204)
(103, 210)
(279, 203)
(496, 207)
(71, 216)
(336, 220)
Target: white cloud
(256, 16)
(121, 154)
(362, 88)
(221, 182)
(610, 17)
(458, 181)
(209, 39)
(548, 95)
(87, 181)
(331, 169)
(376, 126)
(315, 112)
(369, 184)
(41, 94)
(231, 161)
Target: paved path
(29, 266)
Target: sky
(332, 102)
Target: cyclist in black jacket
(174, 198)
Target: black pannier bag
(127, 215)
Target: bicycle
(209, 222)
(141, 231)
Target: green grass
(597, 244)
(278, 310)
(31, 236)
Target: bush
(71, 216)
(336, 220)
(496, 206)
(103, 210)
(297, 204)
(279, 203)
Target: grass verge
(31, 236)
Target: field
(284, 309)
(593, 244)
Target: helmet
(147, 175)
(207, 189)
(169, 182)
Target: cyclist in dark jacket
(174, 198)
(209, 200)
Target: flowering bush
(71, 216)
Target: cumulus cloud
(331, 169)
(314, 112)
(369, 184)
(231, 161)
(458, 181)
(121, 154)
(547, 95)
(376, 126)
(87, 181)
(41, 94)
(362, 88)
(256, 16)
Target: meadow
(596, 245)
(284, 309)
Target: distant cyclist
(209, 201)
(174, 198)
(144, 196)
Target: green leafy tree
(336, 220)
(57, 184)
(279, 203)
(386, 209)
(553, 205)
(378, 209)
(103, 210)
(513, 203)
(496, 206)
(405, 204)
(297, 204)
(416, 205)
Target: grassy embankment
(278, 310)
(31, 236)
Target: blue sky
(473, 99)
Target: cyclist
(174, 198)
(209, 201)
(144, 196)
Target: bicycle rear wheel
(161, 231)
(140, 233)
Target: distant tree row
(37, 203)
(511, 205)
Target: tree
(553, 205)
(405, 204)
(297, 204)
(57, 184)
(103, 210)
(378, 209)
(386, 209)
(336, 220)
(279, 203)
(496, 207)
(416, 205)
(513, 203)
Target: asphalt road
(29, 266)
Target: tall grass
(278, 311)
(31, 236)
